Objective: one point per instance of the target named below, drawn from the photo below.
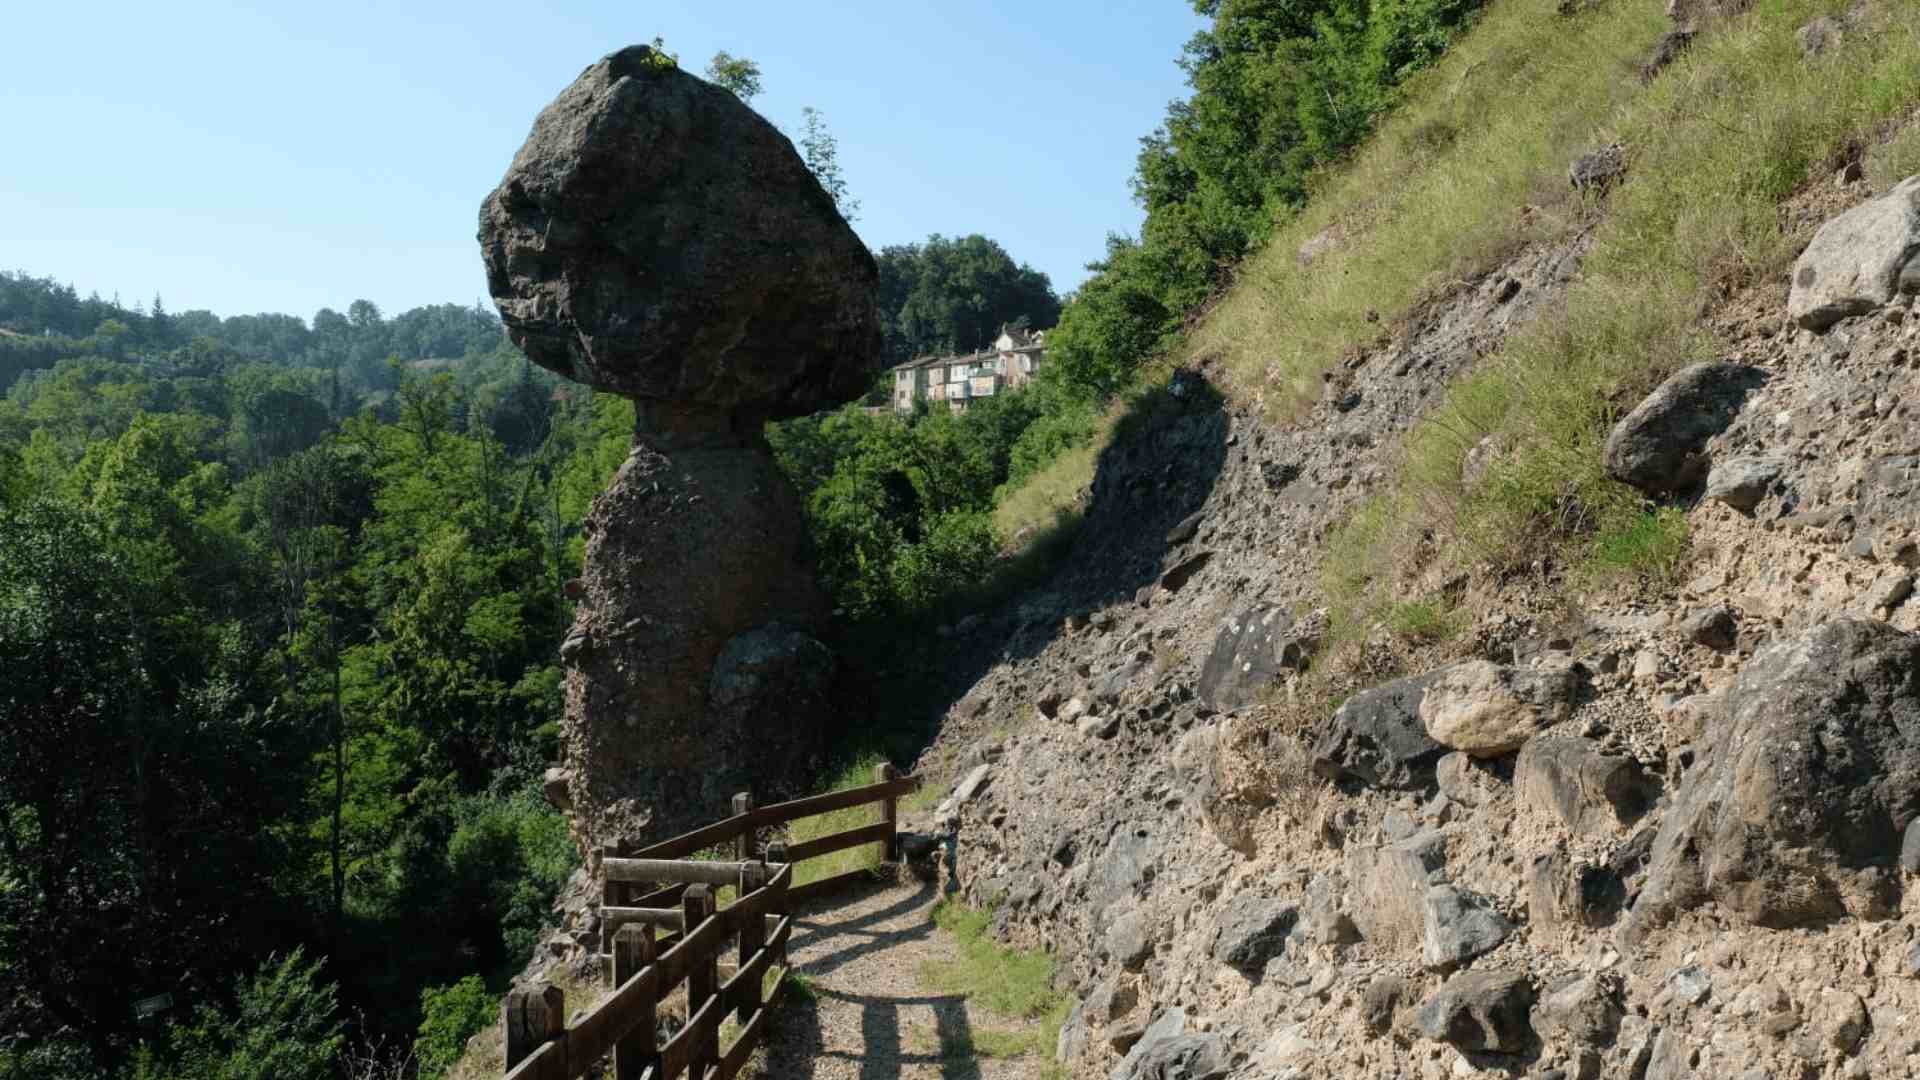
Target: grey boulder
(1251, 933)
(1460, 925)
(1658, 446)
(1796, 814)
(657, 239)
(1859, 261)
(1377, 738)
(1742, 482)
(1480, 1011)
(1251, 652)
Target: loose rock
(1486, 709)
(1855, 262)
(1657, 446)
(1480, 1010)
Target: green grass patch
(1894, 160)
(857, 773)
(1426, 621)
(1650, 545)
(1014, 983)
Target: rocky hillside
(1562, 824)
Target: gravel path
(871, 1017)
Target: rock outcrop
(1815, 774)
(657, 239)
(1860, 261)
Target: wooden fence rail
(541, 1045)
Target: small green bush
(286, 1027)
(450, 1015)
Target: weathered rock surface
(1377, 738)
(1797, 815)
(1487, 709)
(1742, 482)
(1585, 787)
(1597, 170)
(689, 676)
(1888, 528)
(1254, 649)
(657, 239)
(1167, 1052)
(1254, 932)
(1460, 925)
(1856, 262)
(1480, 1010)
(1657, 447)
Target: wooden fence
(541, 1045)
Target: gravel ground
(871, 1017)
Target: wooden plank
(829, 886)
(762, 901)
(613, 918)
(743, 1046)
(702, 943)
(547, 1063)
(679, 871)
(877, 833)
(700, 839)
(779, 813)
(677, 1055)
(667, 897)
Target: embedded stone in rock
(657, 239)
(1487, 709)
(1377, 738)
(1583, 1009)
(1394, 880)
(1252, 933)
(1587, 788)
(1888, 513)
(1854, 264)
(1714, 627)
(1251, 652)
(1910, 848)
(1657, 446)
(1480, 1010)
(1460, 925)
(1127, 942)
(1742, 482)
(1795, 815)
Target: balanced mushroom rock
(657, 239)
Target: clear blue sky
(276, 156)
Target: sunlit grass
(1013, 983)
(857, 773)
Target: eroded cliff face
(657, 239)
(1657, 832)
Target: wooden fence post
(532, 1018)
(776, 858)
(743, 847)
(633, 952)
(889, 811)
(702, 976)
(753, 938)
(612, 893)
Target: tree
(953, 295)
(822, 155)
(735, 73)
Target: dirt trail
(870, 1015)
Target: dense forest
(280, 596)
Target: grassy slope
(1473, 167)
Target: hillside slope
(1374, 727)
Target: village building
(1010, 362)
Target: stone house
(1011, 361)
